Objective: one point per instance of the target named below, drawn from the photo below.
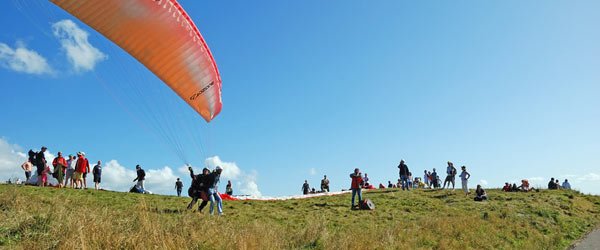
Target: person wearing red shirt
(60, 165)
(356, 185)
(81, 167)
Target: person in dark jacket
(40, 163)
(178, 187)
(97, 172)
(480, 194)
(305, 188)
(229, 188)
(199, 188)
(404, 173)
(141, 176)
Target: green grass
(49, 218)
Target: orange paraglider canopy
(160, 35)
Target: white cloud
(246, 182)
(312, 171)
(81, 54)
(23, 60)
(589, 177)
(120, 178)
(483, 182)
(11, 159)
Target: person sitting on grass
(566, 185)
(480, 194)
(514, 188)
(552, 184)
(525, 186)
(356, 187)
(506, 187)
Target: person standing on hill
(403, 171)
(81, 167)
(44, 175)
(450, 177)
(305, 188)
(178, 187)
(356, 186)
(464, 179)
(199, 188)
(229, 188)
(141, 176)
(40, 163)
(71, 162)
(60, 165)
(426, 178)
(213, 192)
(86, 170)
(325, 184)
(97, 172)
(27, 167)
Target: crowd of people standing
(71, 172)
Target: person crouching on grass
(356, 186)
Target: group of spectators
(71, 172)
(306, 189)
(553, 184)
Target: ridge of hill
(50, 218)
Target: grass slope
(48, 218)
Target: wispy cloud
(589, 177)
(312, 171)
(24, 60)
(74, 40)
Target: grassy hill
(49, 218)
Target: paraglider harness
(199, 186)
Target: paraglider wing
(160, 35)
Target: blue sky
(509, 89)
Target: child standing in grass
(464, 178)
(356, 186)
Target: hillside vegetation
(49, 218)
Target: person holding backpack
(60, 164)
(356, 187)
(450, 177)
